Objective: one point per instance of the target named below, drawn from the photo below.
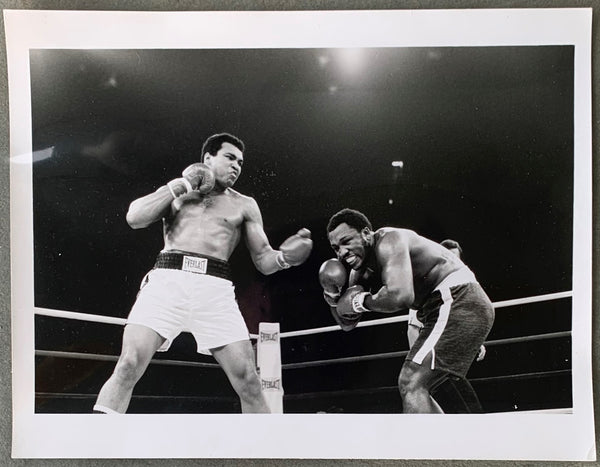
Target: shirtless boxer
(394, 269)
(189, 288)
(414, 326)
(454, 394)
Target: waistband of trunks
(462, 276)
(194, 263)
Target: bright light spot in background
(323, 60)
(352, 60)
(390, 201)
(398, 164)
(434, 55)
(36, 156)
(333, 89)
(111, 82)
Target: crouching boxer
(395, 269)
(190, 288)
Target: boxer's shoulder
(245, 204)
(394, 234)
(387, 240)
(234, 196)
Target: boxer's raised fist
(295, 250)
(333, 278)
(200, 176)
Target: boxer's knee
(410, 380)
(130, 367)
(237, 360)
(139, 345)
(247, 383)
(415, 378)
(251, 390)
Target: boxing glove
(350, 305)
(295, 250)
(333, 278)
(200, 177)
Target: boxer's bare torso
(211, 224)
(404, 263)
(430, 262)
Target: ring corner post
(268, 362)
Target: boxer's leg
(415, 382)
(456, 395)
(139, 345)
(237, 360)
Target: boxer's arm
(262, 253)
(150, 208)
(292, 252)
(397, 293)
(354, 277)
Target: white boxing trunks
(172, 300)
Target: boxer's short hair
(352, 217)
(213, 143)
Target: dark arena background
(485, 140)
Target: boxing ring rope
(369, 391)
(403, 353)
(277, 397)
(291, 366)
(375, 322)
(80, 316)
(114, 358)
(303, 332)
(398, 319)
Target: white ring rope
(398, 319)
(80, 316)
(303, 332)
(534, 299)
(288, 366)
(316, 363)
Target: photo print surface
(477, 141)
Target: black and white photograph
(283, 222)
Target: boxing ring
(274, 372)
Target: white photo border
(493, 436)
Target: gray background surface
(214, 5)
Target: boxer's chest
(217, 209)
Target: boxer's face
(349, 245)
(226, 164)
